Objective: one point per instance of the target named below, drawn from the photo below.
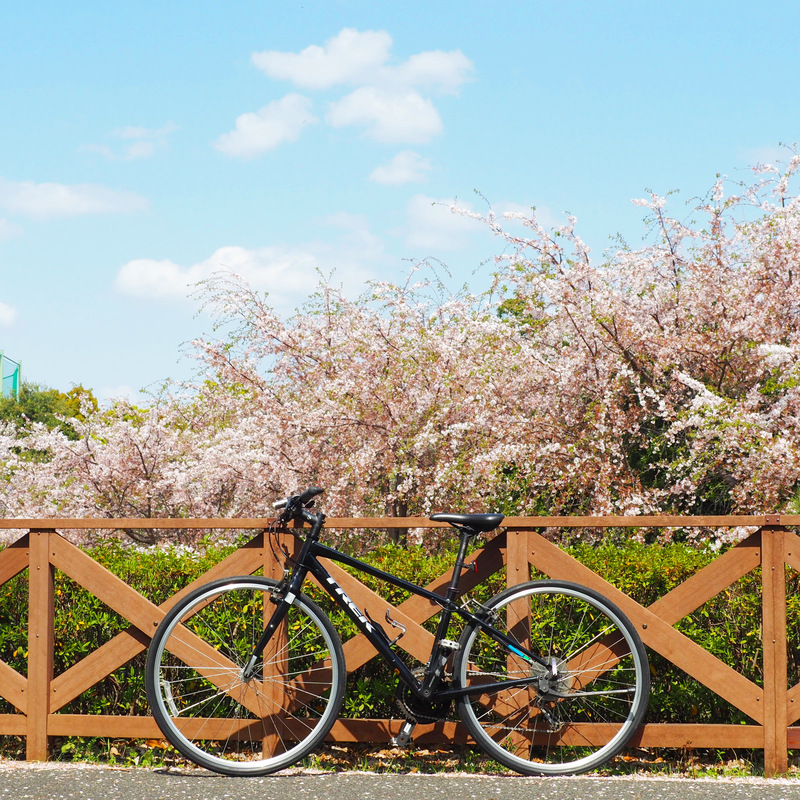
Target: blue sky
(144, 145)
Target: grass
(662, 763)
(416, 759)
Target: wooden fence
(772, 708)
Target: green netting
(10, 371)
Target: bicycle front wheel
(215, 716)
(575, 713)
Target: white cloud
(138, 132)
(289, 273)
(433, 226)
(357, 244)
(108, 395)
(7, 314)
(390, 116)
(776, 155)
(360, 57)
(349, 57)
(438, 225)
(255, 133)
(49, 200)
(514, 216)
(136, 142)
(148, 277)
(140, 149)
(406, 167)
(9, 230)
(389, 99)
(434, 69)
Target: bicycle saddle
(482, 523)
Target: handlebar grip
(309, 494)
(298, 501)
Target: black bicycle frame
(308, 561)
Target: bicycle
(246, 675)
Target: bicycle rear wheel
(580, 710)
(219, 720)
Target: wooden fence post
(771, 708)
(773, 557)
(518, 568)
(40, 643)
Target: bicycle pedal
(403, 739)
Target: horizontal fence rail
(773, 709)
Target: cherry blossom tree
(681, 357)
(664, 378)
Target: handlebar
(295, 503)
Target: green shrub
(83, 623)
(729, 625)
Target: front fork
(279, 615)
(283, 596)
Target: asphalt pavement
(21, 781)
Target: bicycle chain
(420, 710)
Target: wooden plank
(13, 687)
(150, 523)
(709, 581)
(775, 662)
(382, 730)
(13, 725)
(262, 523)
(119, 727)
(244, 561)
(40, 644)
(74, 681)
(126, 601)
(106, 586)
(14, 559)
(651, 735)
(487, 561)
(127, 644)
(792, 545)
(275, 688)
(644, 521)
(417, 641)
(705, 735)
(517, 616)
(132, 606)
(780, 704)
(215, 667)
(793, 705)
(517, 565)
(655, 632)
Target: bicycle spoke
(576, 713)
(228, 724)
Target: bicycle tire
(228, 725)
(599, 672)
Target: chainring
(420, 710)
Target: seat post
(466, 535)
(443, 648)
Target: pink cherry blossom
(663, 379)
